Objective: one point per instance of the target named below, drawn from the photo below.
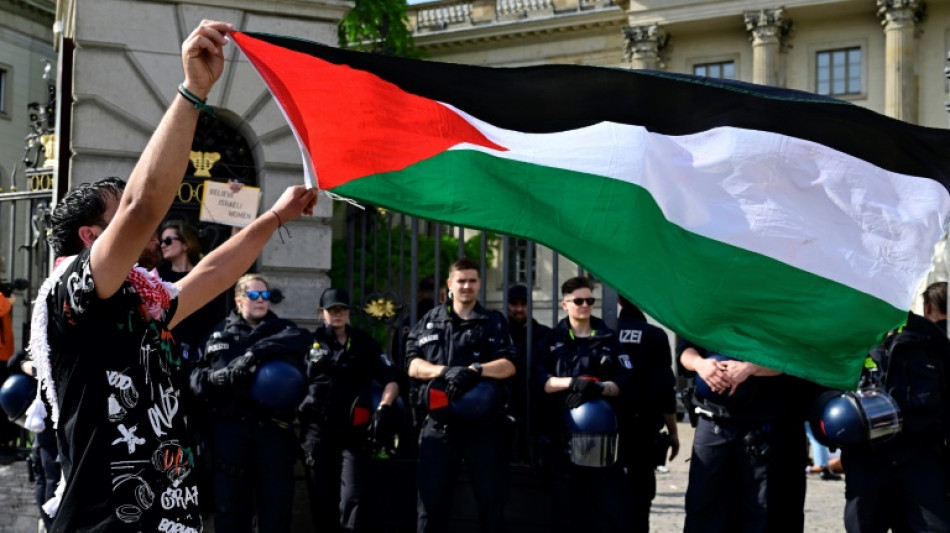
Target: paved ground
(824, 503)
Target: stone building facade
(124, 61)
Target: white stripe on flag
(796, 201)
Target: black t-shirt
(126, 457)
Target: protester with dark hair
(181, 251)
(343, 365)
(651, 407)
(584, 364)
(902, 483)
(461, 343)
(106, 361)
(252, 445)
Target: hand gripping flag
(780, 227)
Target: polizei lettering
(427, 339)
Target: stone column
(900, 18)
(768, 29)
(644, 45)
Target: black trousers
(747, 477)
(638, 455)
(338, 475)
(441, 451)
(903, 490)
(585, 498)
(46, 468)
(727, 484)
(253, 474)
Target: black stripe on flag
(556, 98)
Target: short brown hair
(464, 263)
(575, 283)
(936, 295)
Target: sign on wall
(229, 203)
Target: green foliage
(388, 265)
(386, 280)
(378, 26)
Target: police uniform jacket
(273, 337)
(758, 398)
(649, 349)
(337, 373)
(599, 356)
(442, 338)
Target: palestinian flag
(775, 226)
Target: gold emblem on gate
(203, 161)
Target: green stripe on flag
(722, 297)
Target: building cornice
(332, 10)
(642, 12)
(558, 23)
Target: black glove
(223, 377)
(583, 390)
(458, 380)
(219, 378)
(242, 368)
(382, 427)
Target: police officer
(584, 362)
(653, 407)
(461, 343)
(749, 448)
(900, 483)
(342, 365)
(540, 340)
(252, 447)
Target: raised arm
(158, 173)
(221, 268)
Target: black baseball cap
(518, 292)
(334, 298)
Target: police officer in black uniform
(343, 364)
(653, 407)
(749, 449)
(540, 340)
(584, 362)
(900, 483)
(252, 447)
(461, 343)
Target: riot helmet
(842, 419)
(16, 395)
(594, 434)
(278, 385)
(367, 402)
(480, 405)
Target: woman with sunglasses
(181, 251)
(585, 363)
(343, 364)
(252, 446)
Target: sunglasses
(581, 301)
(254, 295)
(167, 241)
